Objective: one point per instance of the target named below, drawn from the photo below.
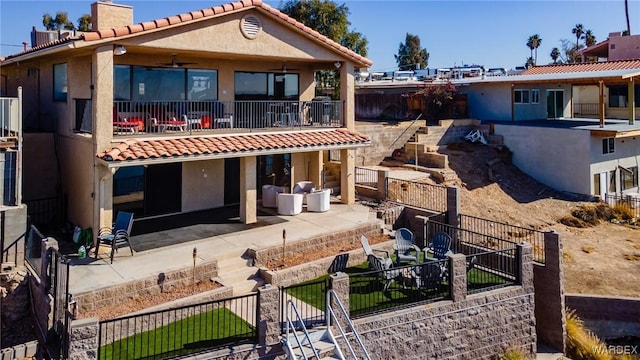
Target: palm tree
(626, 12)
(589, 38)
(578, 30)
(530, 63)
(530, 45)
(555, 54)
(537, 41)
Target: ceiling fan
(283, 69)
(175, 63)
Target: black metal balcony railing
(188, 117)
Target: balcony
(132, 118)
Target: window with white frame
(608, 145)
(521, 96)
(535, 96)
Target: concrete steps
(321, 342)
(332, 178)
(236, 273)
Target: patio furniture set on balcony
(130, 117)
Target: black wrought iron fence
(627, 204)
(180, 331)
(469, 242)
(366, 176)
(10, 247)
(414, 193)
(33, 250)
(310, 300)
(505, 232)
(47, 213)
(58, 280)
(378, 291)
(491, 270)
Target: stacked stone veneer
(609, 317)
(549, 290)
(478, 326)
(386, 138)
(151, 285)
(345, 238)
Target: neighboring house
(584, 156)
(190, 112)
(616, 47)
(536, 114)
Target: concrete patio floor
(91, 274)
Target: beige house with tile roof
(189, 112)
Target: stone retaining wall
(315, 269)
(152, 285)
(609, 317)
(350, 236)
(478, 327)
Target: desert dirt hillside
(602, 259)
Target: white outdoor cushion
(319, 201)
(289, 204)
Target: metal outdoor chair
(116, 236)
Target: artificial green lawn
(203, 331)
(367, 295)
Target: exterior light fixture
(120, 50)
(337, 64)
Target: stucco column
(347, 94)
(248, 193)
(347, 176)
(453, 205)
(631, 99)
(102, 129)
(104, 197)
(382, 184)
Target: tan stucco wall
(222, 37)
(306, 166)
(109, 15)
(202, 185)
(39, 166)
(77, 177)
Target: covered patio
(221, 238)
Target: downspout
(601, 102)
(632, 100)
(19, 155)
(513, 115)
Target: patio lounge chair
(116, 236)
(405, 247)
(440, 246)
(384, 271)
(368, 251)
(428, 275)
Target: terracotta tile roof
(140, 149)
(199, 14)
(583, 67)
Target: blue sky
(489, 33)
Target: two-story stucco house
(189, 112)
